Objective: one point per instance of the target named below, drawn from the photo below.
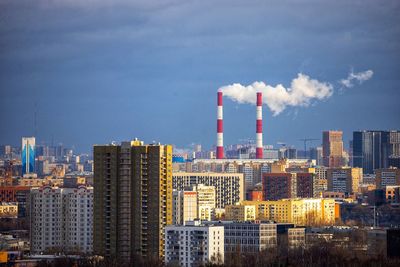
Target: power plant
(220, 132)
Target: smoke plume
(360, 77)
(302, 92)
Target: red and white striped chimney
(259, 133)
(220, 131)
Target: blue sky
(114, 70)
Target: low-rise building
(194, 244)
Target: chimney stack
(259, 133)
(220, 131)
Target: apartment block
(133, 199)
(240, 213)
(346, 180)
(229, 187)
(61, 220)
(387, 177)
(312, 211)
(194, 244)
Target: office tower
(316, 154)
(259, 131)
(277, 186)
(61, 220)
(184, 206)
(194, 244)
(28, 155)
(346, 180)
(391, 149)
(375, 149)
(229, 187)
(291, 153)
(133, 199)
(387, 177)
(332, 148)
(220, 131)
(367, 150)
(305, 185)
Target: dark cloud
(111, 70)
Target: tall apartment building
(194, 244)
(61, 219)
(28, 155)
(229, 187)
(346, 180)
(277, 186)
(332, 148)
(133, 199)
(387, 177)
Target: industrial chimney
(259, 133)
(220, 131)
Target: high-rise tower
(28, 155)
(133, 199)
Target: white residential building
(194, 244)
(61, 219)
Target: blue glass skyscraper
(28, 155)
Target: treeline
(321, 255)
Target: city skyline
(124, 70)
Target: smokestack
(220, 131)
(259, 133)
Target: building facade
(229, 187)
(332, 148)
(133, 199)
(277, 186)
(61, 220)
(346, 180)
(194, 244)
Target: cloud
(359, 76)
(301, 93)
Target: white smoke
(360, 77)
(302, 91)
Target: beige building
(133, 199)
(205, 201)
(229, 187)
(184, 207)
(240, 213)
(332, 148)
(8, 210)
(346, 180)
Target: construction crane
(305, 140)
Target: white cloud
(359, 76)
(303, 90)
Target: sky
(100, 71)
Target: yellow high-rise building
(132, 199)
